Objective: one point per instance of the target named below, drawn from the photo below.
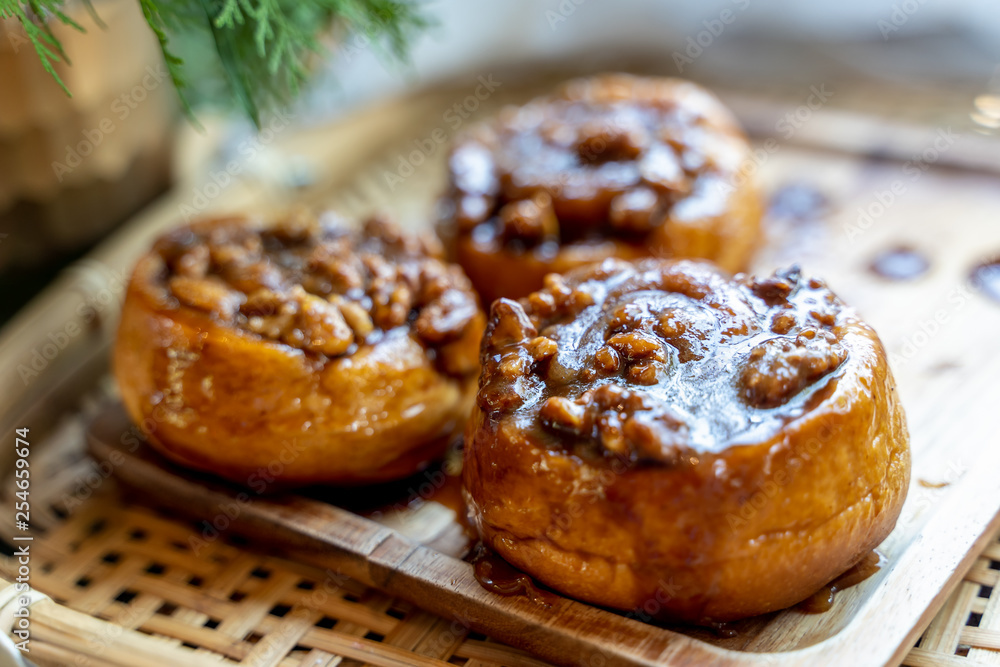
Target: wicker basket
(129, 586)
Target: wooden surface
(938, 331)
(169, 591)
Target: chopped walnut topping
(557, 300)
(779, 368)
(777, 288)
(588, 357)
(508, 324)
(505, 382)
(636, 211)
(612, 156)
(530, 220)
(656, 436)
(446, 317)
(637, 345)
(782, 323)
(356, 317)
(607, 359)
(565, 415)
(541, 348)
(644, 373)
(543, 304)
(318, 286)
(208, 294)
(343, 274)
(628, 317)
(824, 317)
(622, 422)
(194, 263)
(322, 325)
(599, 142)
(687, 331)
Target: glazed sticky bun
(298, 352)
(611, 166)
(657, 430)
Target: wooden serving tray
(939, 331)
(407, 540)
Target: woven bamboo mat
(134, 587)
(171, 592)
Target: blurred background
(74, 169)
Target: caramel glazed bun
(656, 431)
(300, 353)
(613, 166)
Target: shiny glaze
(243, 372)
(611, 166)
(697, 508)
(698, 398)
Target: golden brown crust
(612, 166)
(719, 497)
(234, 367)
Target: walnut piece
(208, 294)
(779, 368)
(622, 422)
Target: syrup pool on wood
(497, 575)
(797, 201)
(822, 600)
(795, 217)
(900, 263)
(986, 278)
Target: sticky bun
(611, 166)
(298, 352)
(658, 431)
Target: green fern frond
(263, 47)
(33, 17)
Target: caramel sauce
(797, 202)
(932, 485)
(498, 576)
(900, 263)
(986, 278)
(822, 600)
(634, 361)
(449, 494)
(724, 630)
(795, 218)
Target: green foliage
(38, 30)
(264, 47)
